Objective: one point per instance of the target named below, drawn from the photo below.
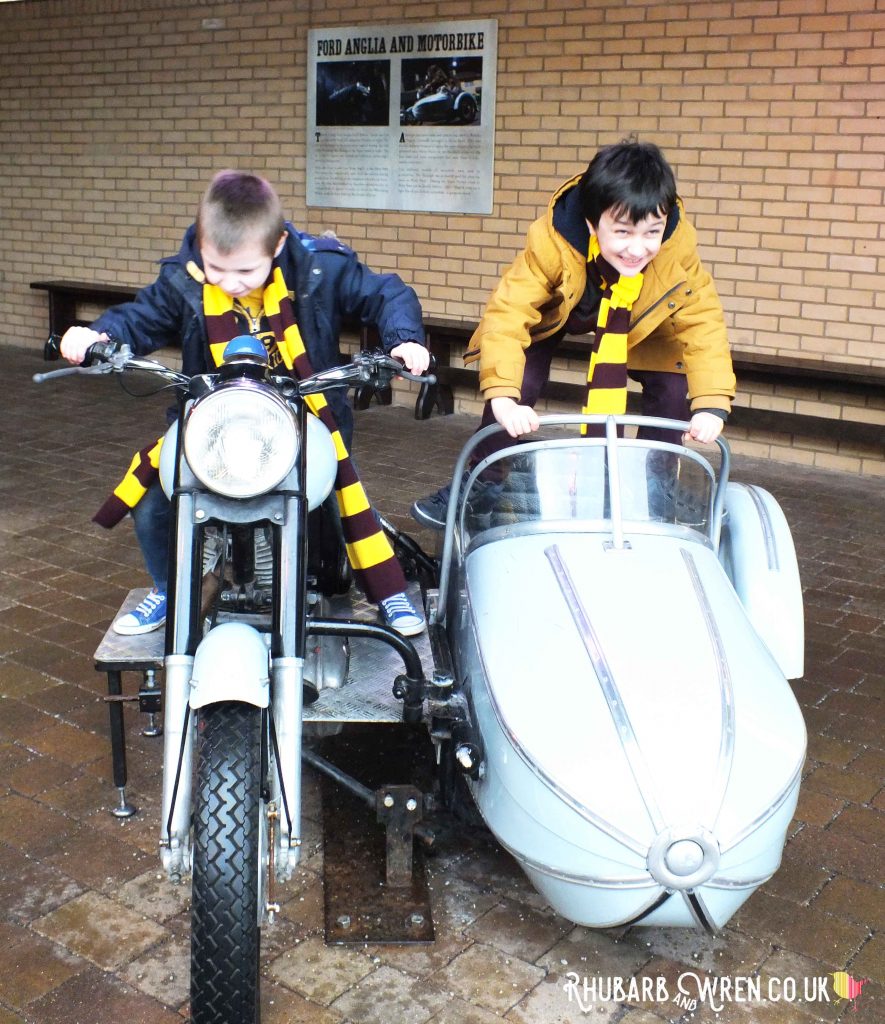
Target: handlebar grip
(52, 348)
(100, 352)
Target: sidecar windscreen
(571, 482)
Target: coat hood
(565, 216)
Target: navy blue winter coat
(328, 283)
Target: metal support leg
(154, 727)
(399, 810)
(118, 744)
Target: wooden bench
(66, 296)
(445, 335)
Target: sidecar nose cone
(684, 857)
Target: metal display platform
(115, 655)
(366, 697)
(131, 653)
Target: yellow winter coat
(677, 323)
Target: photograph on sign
(402, 117)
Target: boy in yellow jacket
(614, 255)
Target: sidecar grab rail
(612, 443)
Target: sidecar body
(622, 622)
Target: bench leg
(62, 312)
(124, 809)
(362, 396)
(434, 396)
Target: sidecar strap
(659, 902)
(696, 905)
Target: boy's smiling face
(629, 247)
(240, 271)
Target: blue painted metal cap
(245, 346)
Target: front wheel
(224, 915)
(466, 110)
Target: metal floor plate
(367, 695)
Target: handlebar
(111, 356)
(363, 368)
(101, 351)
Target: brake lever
(398, 369)
(419, 378)
(114, 359)
(94, 370)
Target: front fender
(231, 663)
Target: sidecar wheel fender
(759, 557)
(231, 664)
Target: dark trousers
(663, 394)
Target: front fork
(284, 766)
(286, 671)
(179, 731)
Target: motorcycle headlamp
(241, 440)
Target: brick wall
(114, 113)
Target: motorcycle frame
(284, 510)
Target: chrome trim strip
(588, 527)
(616, 707)
(728, 883)
(725, 757)
(772, 809)
(636, 845)
(614, 482)
(649, 909)
(637, 882)
(767, 528)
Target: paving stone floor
(91, 933)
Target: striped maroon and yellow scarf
(143, 471)
(375, 566)
(607, 373)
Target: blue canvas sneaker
(149, 614)
(400, 614)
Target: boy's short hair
(631, 178)
(237, 207)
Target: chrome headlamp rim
(211, 437)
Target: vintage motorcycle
(637, 750)
(247, 472)
(621, 624)
(446, 105)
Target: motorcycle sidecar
(625, 670)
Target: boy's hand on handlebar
(414, 355)
(705, 427)
(77, 340)
(516, 419)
